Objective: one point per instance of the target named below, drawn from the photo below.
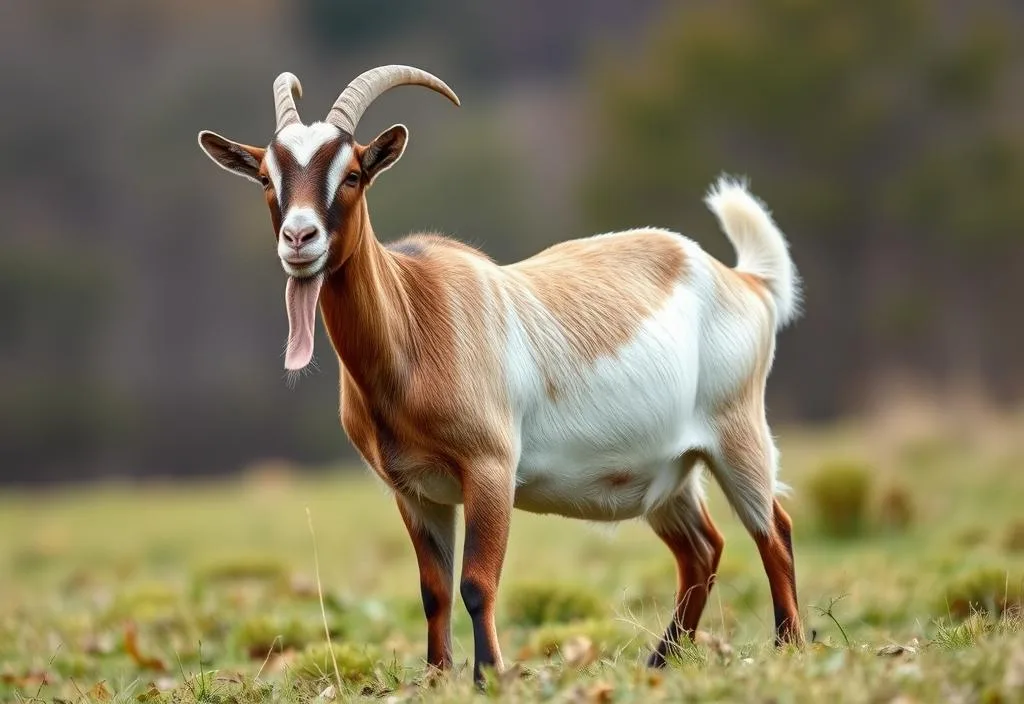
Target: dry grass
(208, 592)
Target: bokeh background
(141, 303)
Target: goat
(595, 380)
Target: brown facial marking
(305, 185)
(270, 194)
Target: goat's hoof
(656, 660)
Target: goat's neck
(365, 306)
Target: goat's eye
(264, 181)
(352, 179)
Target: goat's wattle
(300, 299)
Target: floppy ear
(384, 151)
(237, 158)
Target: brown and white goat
(594, 380)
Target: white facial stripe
(339, 168)
(300, 217)
(274, 169)
(304, 140)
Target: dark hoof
(657, 660)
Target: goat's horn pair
(357, 96)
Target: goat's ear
(237, 158)
(384, 151)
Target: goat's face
(314, 178)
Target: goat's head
(315, 177)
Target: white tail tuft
(761, 248)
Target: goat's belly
(604, 446)
(642, 419)
(606, 459)
(598, 494)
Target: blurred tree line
(142, 310)
(886, 136)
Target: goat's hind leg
(744, 466)
(683, 523)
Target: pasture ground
(206, 592)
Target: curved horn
(286, 89)
(369, 85)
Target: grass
(209, 592)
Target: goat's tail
(761, 248)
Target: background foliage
(142, 318)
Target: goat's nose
(298, 236)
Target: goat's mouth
(304, 267)
(300, 299)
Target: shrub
(990, 590)
(355, 665)
(542, 603)
(1015, 537)
(152, 602)
(961, 636)
(607, 637)
(245, 568)
(896, 508)
(839, 491)
(971, 537)
(258, 636)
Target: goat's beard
(300, 299)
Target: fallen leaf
(99, 692)
(894, 650)
(131, 646)
(149, 695)
(578, 652)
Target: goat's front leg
(432, 529)
(487, 492)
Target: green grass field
(207, 592)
